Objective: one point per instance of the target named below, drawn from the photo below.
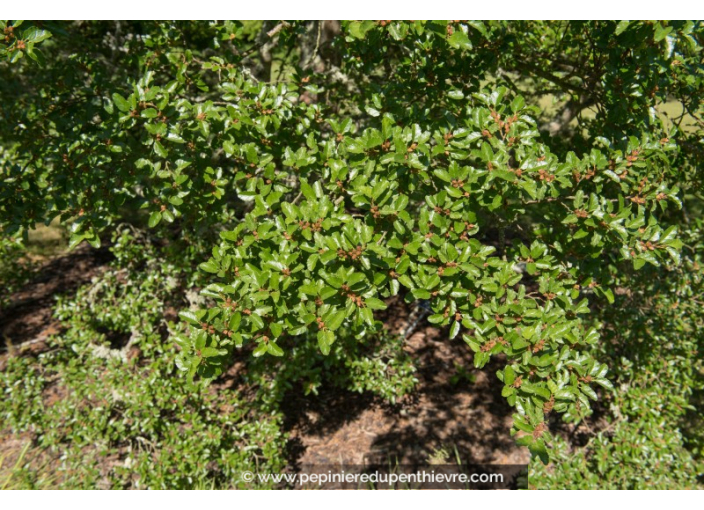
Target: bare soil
(455, 409)
(27, 320)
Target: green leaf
(375, 304)
(75, 240)
(256, 321)
(209, 267)
(122, 104)
(661, 32)
(160, 150)
(621, 27)
(419, 293)
(190, 317)
(210, 352)
(325, 341)
(454, 329)
(261, 349)
(274, 349)
(460, 40)
(336, 320)
(35, 35)
(437, 318)
(235, 320)
(405, 281)
(509, 376)
(539, 449)
(154, 219)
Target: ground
(455, 411)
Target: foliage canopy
(529, 180)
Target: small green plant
(107, 389)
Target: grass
(47, 241)
(668, 112)
(8, 476)
(30, 470)
(671, 111)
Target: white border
(357, 9)
(344, 500)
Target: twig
(11, 348)
(317, 45)
(277, 28)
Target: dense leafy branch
(391, 160)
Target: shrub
(392, 158)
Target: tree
(317, 170)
